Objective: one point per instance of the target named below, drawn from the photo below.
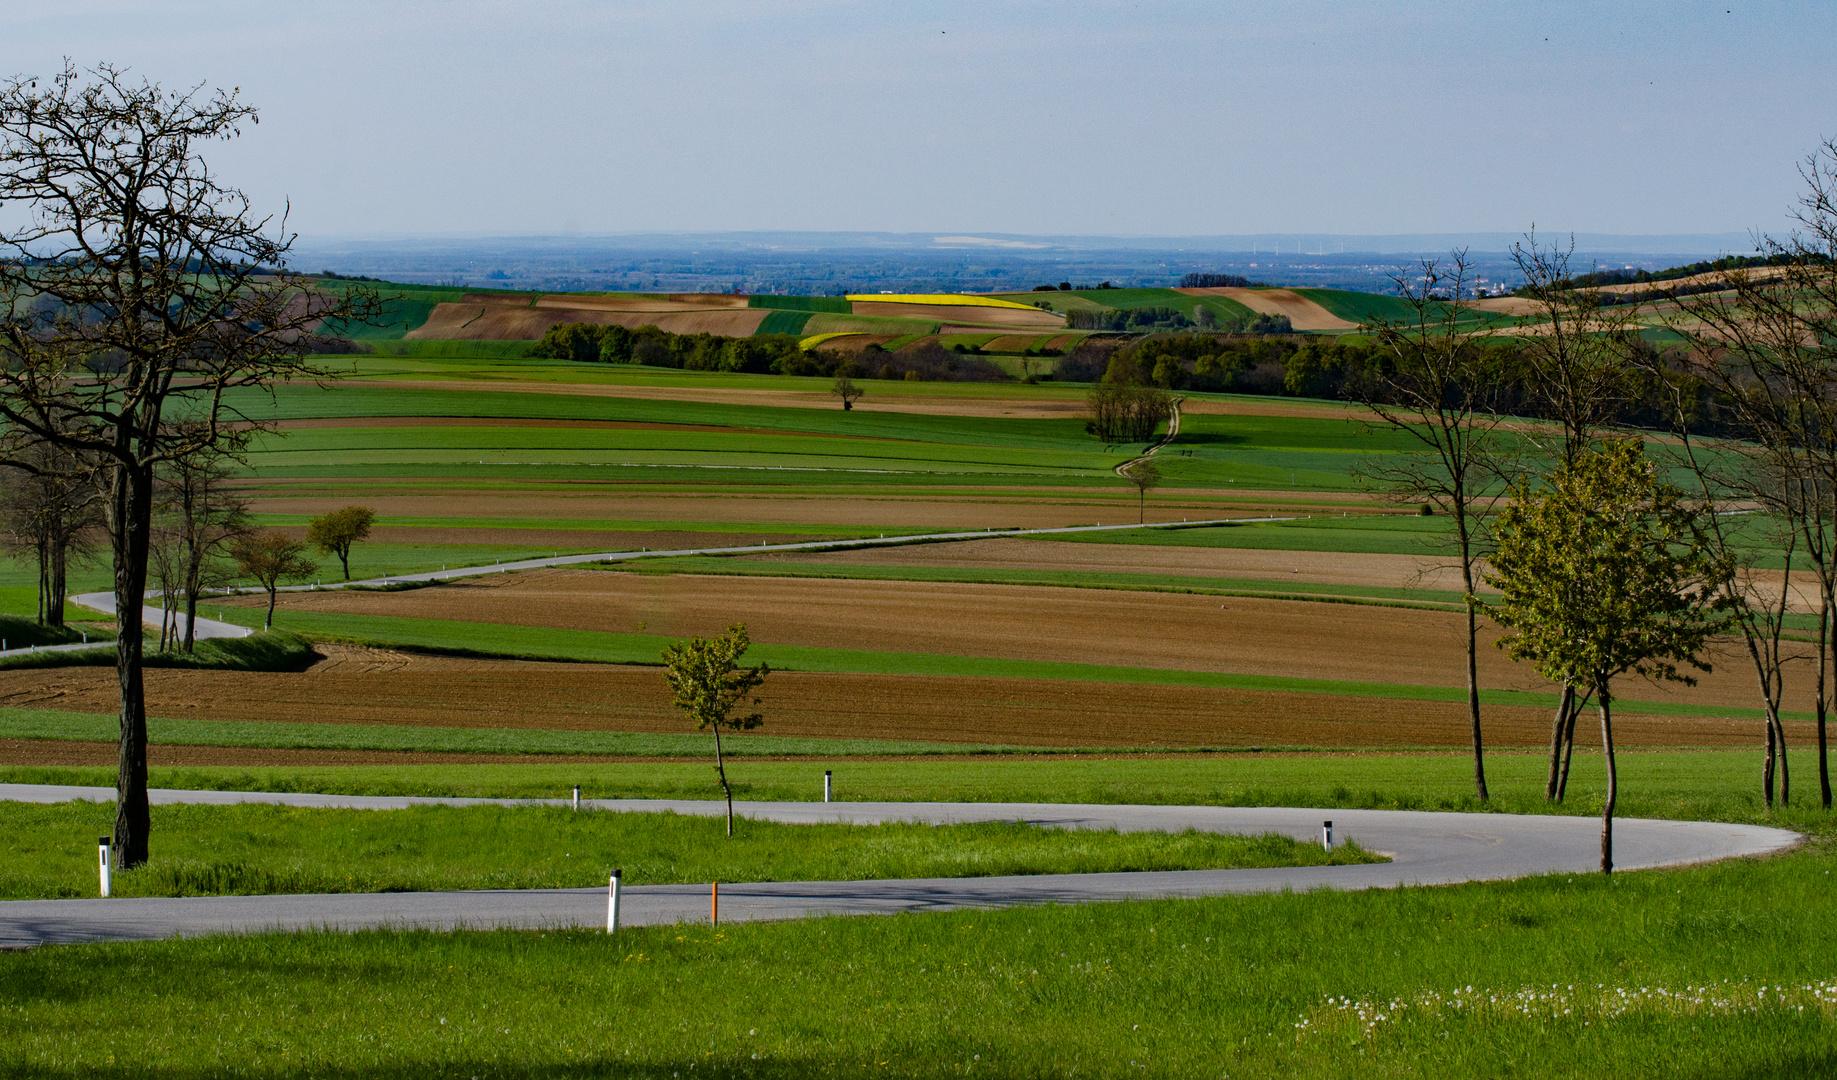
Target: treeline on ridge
(762, 354)
(1148, 320)
(1350, 369)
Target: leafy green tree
(1605, 571)
(334, 533)
(708, 683)
(272, 558)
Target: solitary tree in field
(334, 533)
(1144, 475)
(709, 684)
(1606, 571)
(273, 559)
(137, 289)
(846, 389)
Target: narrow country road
(1425, 849)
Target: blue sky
(1169, 119)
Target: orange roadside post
(714, 904)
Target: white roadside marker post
(827, 776)
(1326, 835)
(612, 902)
(102, 846)
(577, 796)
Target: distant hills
(837, 263)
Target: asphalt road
(1425, 849)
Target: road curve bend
(1426, 848)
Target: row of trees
(1603, 567)
(202, 536)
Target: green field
(1721, 970)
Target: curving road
(1425, 849)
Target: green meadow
(253, 849)
(1721, 970)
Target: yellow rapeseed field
(814, 340)
(941, 299)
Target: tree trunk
(60, 584)
(1766, 768)
(720, 769)
(1563, 707)
(1562, 784)
(1821, 702)
(344, 560)
(1473, 694)
(131, 506)
(44, 578)
(194, 576)
(1785, 773)
(1613, 783)
(268, 624)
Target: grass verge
(1723, 970)
(275, 650)
(48, 851)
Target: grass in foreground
(49, 851)
(1724, 970)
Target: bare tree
(272, 559)
(1766, 347)
(52, 512)
(204, 517)
(1145, 476)
(846, 389)
(1749, 469)
(1434, 386)
(137, 290)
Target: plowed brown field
(1129, 629)
(590, 539)
(1337, 568)
(505, 322)
(362, 686)
(890, 401)
(1303, 314)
